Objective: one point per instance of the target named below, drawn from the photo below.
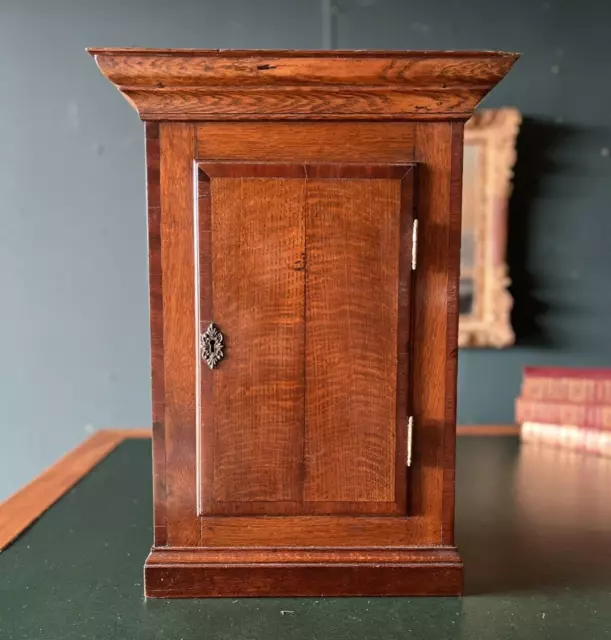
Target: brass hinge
(414, 244)
(410, 433)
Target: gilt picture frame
(489, 157)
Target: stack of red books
(566, 407)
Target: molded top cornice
(196, 84)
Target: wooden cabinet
(304, 238)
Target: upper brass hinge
(414, 244)
(410, 433)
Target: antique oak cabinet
(304, 239)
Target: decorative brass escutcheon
(211, 346)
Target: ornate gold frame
(489, 323)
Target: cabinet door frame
(205, 170)
(173, 149)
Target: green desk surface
(533, 527)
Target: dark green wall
(560, 217)
(74, 318)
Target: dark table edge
(25, 506)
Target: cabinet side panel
(434, 393)
(156, 319)
(454, 235)
(352, 249)
(258, 302)
(179, 330)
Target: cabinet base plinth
(199, 573)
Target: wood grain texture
(179, 331)
(305, 170)
(434, 573)
(333, 531)
(453, 270)
(430, 392)
(353, 233)
(204, 375)
(380, 142)
(302, 555)
(243, 418)
(229, 67)
(230, 85)
(405, 313)
(299, 103)
(23, 508)
(258, 299)
(153, 194)
(320, 580)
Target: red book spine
(592, 441)
(567, 389)
(567, 372)
(594, 416)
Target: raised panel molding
(266, 231)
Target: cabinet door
(304, 268)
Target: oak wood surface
(245, 272)
(298, 103)
(153, 193)
(179, 331)
(204, 310)
(233, 85)
(258, 301)
(312, 580)
(307, 571)
(381, 142)
(302, 555)
(451, 342)
(404, 346)
(430, 394)
(430, 470)
(334, 531)
(211, 528)
(353, 231)
(21, 509)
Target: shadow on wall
(553, 164)
(536, 146)
(557, 250)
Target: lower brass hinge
(414, 244)
(410, 433)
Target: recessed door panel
(304, 269)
